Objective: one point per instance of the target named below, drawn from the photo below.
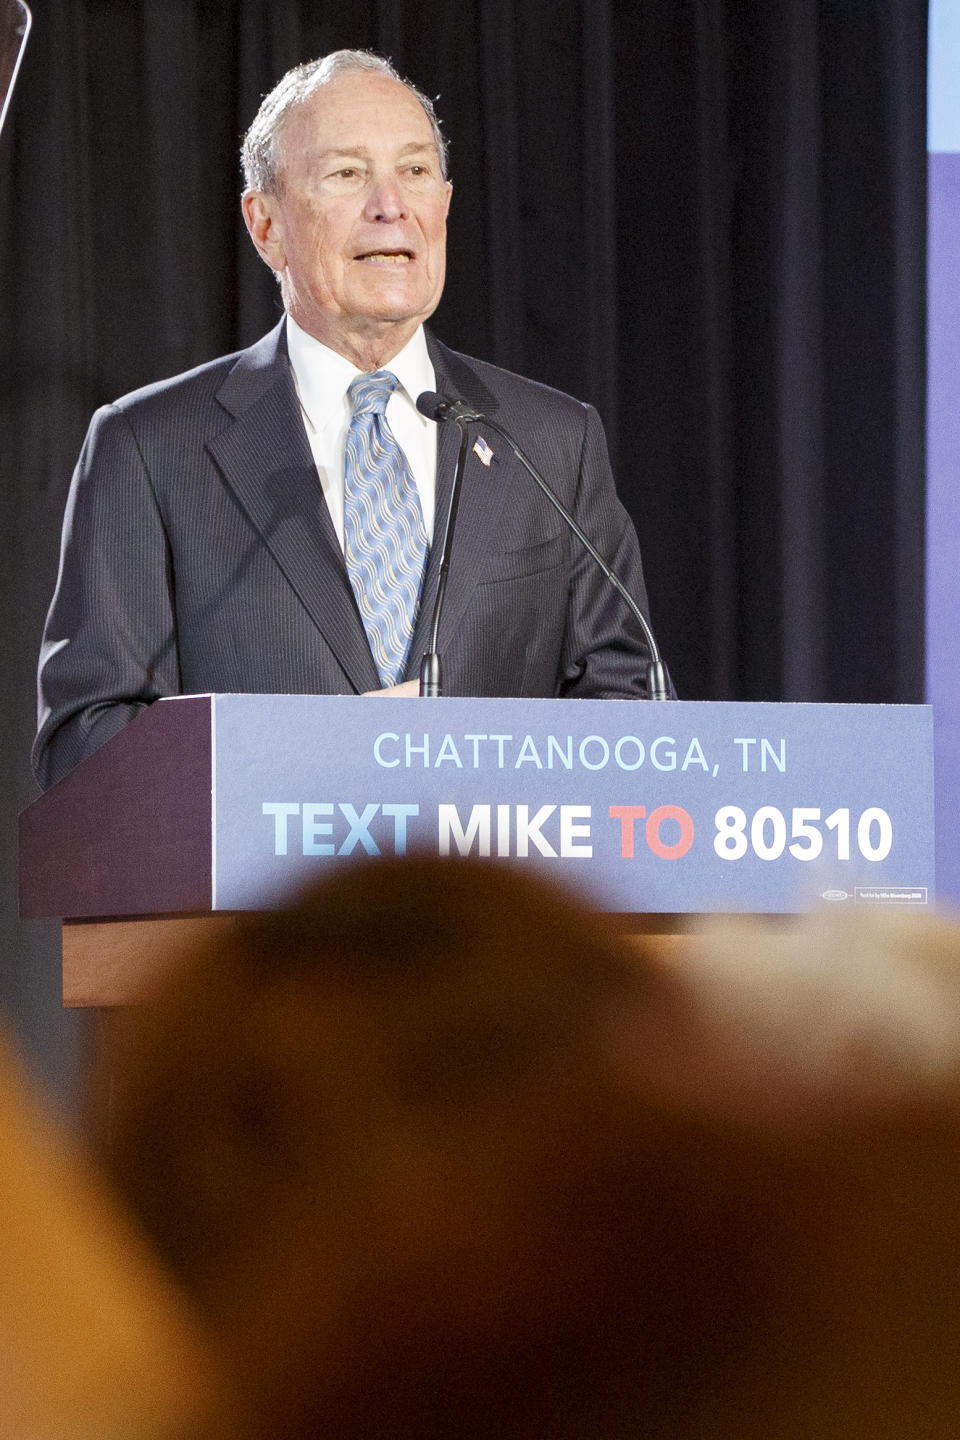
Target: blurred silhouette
(357, 1131)
(437, 1157)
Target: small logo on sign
(834, 895)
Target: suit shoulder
(202, 378)
(247, 370)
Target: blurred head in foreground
(438, 1158)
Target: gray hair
(261, 144)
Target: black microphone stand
(431, 678)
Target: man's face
(358, 229)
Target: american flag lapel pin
(482, 451)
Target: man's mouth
(387, 257)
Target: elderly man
(265, 522)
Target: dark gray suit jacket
(198, 555)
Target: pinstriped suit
(198, 555)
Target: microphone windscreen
(432, 405)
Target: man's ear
(261, 215)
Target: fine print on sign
(655, 808)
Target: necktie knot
(368, 394)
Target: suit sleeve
(604, 651)
(109, 645)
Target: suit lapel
(482, 497)
(265, 457)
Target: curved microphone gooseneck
(439, 408)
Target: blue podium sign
(656, 808)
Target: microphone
(439, 408)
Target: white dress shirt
(322, 378)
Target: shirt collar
(322, 377)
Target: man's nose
(385, 199)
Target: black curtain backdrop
(705, 216)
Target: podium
(207, 806)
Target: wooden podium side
(111, 963)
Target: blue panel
(943, 91)
(943, 431)
(943, 507)
(671, 808)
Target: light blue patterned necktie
(385, 543)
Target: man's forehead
(403, 150)
(352, 104)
